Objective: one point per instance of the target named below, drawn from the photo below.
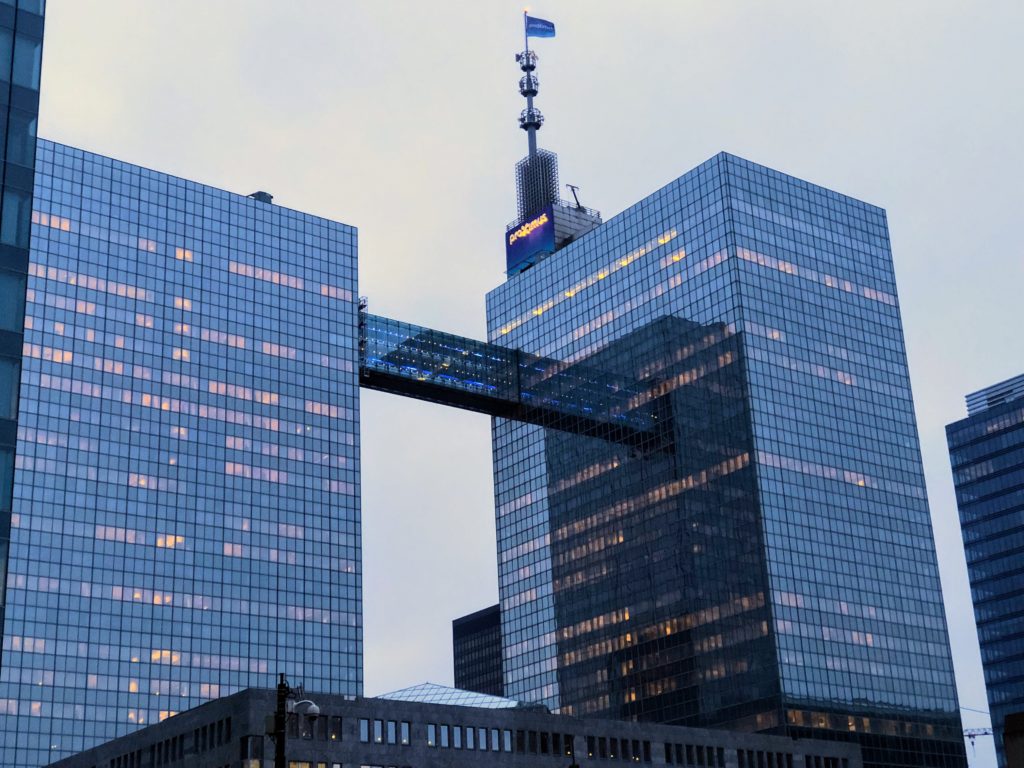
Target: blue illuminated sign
(527, 239)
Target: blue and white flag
(539, 27)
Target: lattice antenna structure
(536, 182)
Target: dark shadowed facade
(476, 647)
(21, 43)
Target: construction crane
(973, 733)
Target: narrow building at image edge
(186, 502)
(21, 42)
(986, 451)
(430, 725)
(762, 557)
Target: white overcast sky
(399, 117)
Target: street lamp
(287, 705)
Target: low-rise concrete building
(431, 725)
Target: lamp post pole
(280, 720)
(277, 728)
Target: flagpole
(526, 34)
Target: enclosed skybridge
(474, 375)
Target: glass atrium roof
(432, 693)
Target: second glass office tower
(772, 566)
(986, 451)
(186, 501)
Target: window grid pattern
(186, 519)
(986, 451)
(476, 650)
(804, 277)
(21, 43)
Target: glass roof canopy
(433, 693)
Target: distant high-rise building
(760, 555)
(476, 648)
(987, 453)
(21, 43)
(186, 502)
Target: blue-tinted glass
(6, 52)
(12, 289)
(775, 569)
(23, 53)
(186, 514)
(10, 372)
(15, 218)
(27, 59)
(21, 138)
(986, 451)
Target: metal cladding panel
(536, 182)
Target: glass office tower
(987, 453)
(186, 500)
(771, 567)
(21, 42)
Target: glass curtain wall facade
(775, 570)
(476, 652)
(21, 42)
(986, 451)
(186, 499)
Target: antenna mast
(544, 223)
(530, 119)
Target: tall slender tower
(544, 223)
